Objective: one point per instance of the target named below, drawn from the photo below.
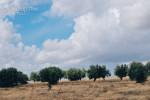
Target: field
(109, 89)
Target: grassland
(110, 89)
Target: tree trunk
(49, 86)
(103, 78)
(94, 79)
(121, 78)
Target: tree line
(136, 71)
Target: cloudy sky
(67, 33)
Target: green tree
(35, 76)
(121, 71)
(65, 74)
(104, 72)
(51, 75)
(8, 77)
(22, 78)
(93, 72)
(147, 66)
(75, 74)
(137, 72)
(11, 77)
(98, 71)
(83, 73)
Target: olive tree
(104, 72)
(83, 73)
(35, 76)
(65, 74)
(11, 77)
(51, 75)
(74, 74)
(98, 71)
(22, 78)
(121, 71)
(147, 66)
(137, 72)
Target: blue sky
(35, 28)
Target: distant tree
(8, 77)
(121, 71)
(11, 77)
(83, 73)
(22, 78)
(51, 75)
(65, 74)
(35, 76)
(93, 72)
(147, 66)
(104, 72)
(138, 72)
(75, 74)
(98, 71)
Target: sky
(38, 33)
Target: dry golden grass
(110, 89)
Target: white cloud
(104, 31)
(111, 31)
(7, 33)
(12, 51)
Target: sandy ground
(110, 89)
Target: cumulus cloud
(112, 31)
(105, 31)
(13, 53)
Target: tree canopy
(35, 76)
(51, 75)
(138, 72)
(121, 71)
(98, 71)
(74, 74)
(11, 77)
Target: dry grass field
(110, 89)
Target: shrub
(35, 76)
(51, 75)
(74, 74)
(11, 77)
(121, 71)
(137, 72)
(98, 71)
